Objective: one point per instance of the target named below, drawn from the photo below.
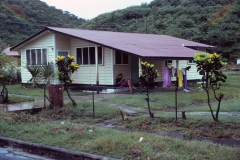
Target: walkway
(18, 154)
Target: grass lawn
(17, 99)
(17, 89)
(166, 100)
(17, 93)
(107, 142)
(81, 114)
(74, 127)
(226, 106)
(194, 125)
(158, 101)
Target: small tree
(47, 72)
(35, 72)
(66, 67)
(147, 77)
(6, 65)
(209, 66)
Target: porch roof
(148, 46)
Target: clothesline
(172, 72)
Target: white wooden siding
(192, 74)
(46, 41)
(87, 74)
(62, 42)
(159, 65)
(105, 71)
(238, 60)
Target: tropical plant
(147, 76)
(11, 74)
(66, 67)
(47, 72)
(209, 66)
(7, 73)
(44, 72)
(35, 72)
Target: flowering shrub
(66, 67)
(209, 66)
(148, 76)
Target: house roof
(142, 45)
(8, 52)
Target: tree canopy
(213, 22)
(23, 18)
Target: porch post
(112, 67)
(177, 66)
(55, 81)
(96, 62)
(139, 71)
(176, 89)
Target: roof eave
(167, 58)
(31, 37)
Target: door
(134, 69)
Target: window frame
(191, 61)
(169, 61)
(43, 60)
(122, 54)
(89, 60)
(66, 51)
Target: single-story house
(238, 61)
(114, 52)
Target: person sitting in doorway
(120, 81)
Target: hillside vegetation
(213, 22)
(23, 18)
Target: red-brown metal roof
(143, 45)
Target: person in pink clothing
(120, 81)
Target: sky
(89, 9)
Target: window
(191, 61)
(169, 61)
(121, 58)
(86, 55)
(36, 56)
(64, 53)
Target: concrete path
(34, 148)
(18, 154)
(23, 106)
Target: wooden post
(184, 115)
(176, 89)
(96, 63)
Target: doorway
(134, 69)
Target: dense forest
(213, 22)
(23, 18)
